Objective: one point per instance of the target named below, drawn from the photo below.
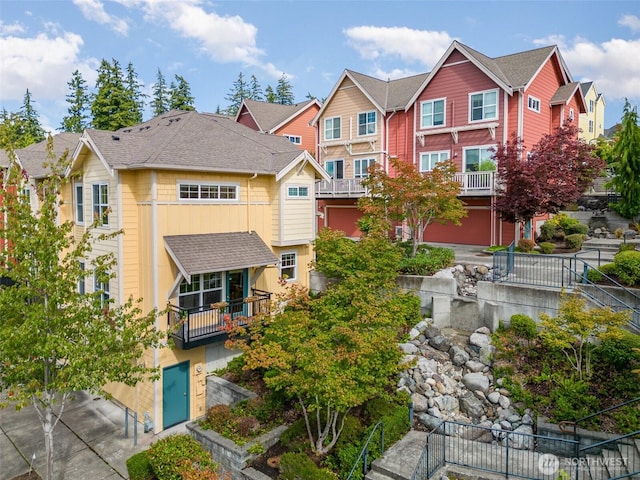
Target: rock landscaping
(452, 380)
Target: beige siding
(297, 219)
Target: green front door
(237, 291)
(175, 394)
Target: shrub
(526, 244)
(617, 349)
(594, 276)
(608, 269)
(625, 247)
(580, 228)
(574, 241)
(548, 231)
(547, 247)
(524, 326)
(139, 467)
(428, 262)
(627, 267)
(619, 232)
(294, 466)
(175, 456)
(571, 399)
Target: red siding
(300, 126)
(246, 119)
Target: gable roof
(584, 87)
(233, 251)
(271, 116)
(565, 93)
(33, 158)
(179, 140)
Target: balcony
(194, 327)
(476, 183)
(341, 188)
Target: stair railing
(572, 426)
(364, 454)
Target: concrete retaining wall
(222, 392)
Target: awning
(218, 252)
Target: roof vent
(115, 137)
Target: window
(81, 281)
(297, 191)
(26, 194)
(590, 126)
(332, 128)
(297, 139)
(79, 200)
(288, 266)
(534, 104)
(473, 158)
(102, 288)
(428, 160)
(367, 123)
(571, 114)
(361, 167)
(483, 105)
(432, 113)
(591, 104)
(207, 191)
(335, 168)
(101, 203)
(203, 290)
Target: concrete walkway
(89, 441)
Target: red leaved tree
(555, 173)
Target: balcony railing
(476, 183)
(194, 327)
(341, 187)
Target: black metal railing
(190, 327)
(363, 458)
(616, 458)
(572, 427)
(432, 456)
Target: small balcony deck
(194, 327)
(471, 184)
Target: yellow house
(215, 218)
(591, 123)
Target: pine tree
(270, 95)
(111, 107)
(135, 96)
(33, 131)
(626, 156)
(78, 99)
(239, 92)
(284, 91)
(11, 128)
(255, 90)
(180, 95)
(160, 100)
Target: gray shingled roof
(34, 157)
(564, 93)
(584, 87)
(194, 141)
(218, 252)
(389, 94)
(519, 68)
(269, 115)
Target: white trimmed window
(78, 191)
(103, 288)
(207, 191)
(428, 160)
(204, 289)
(297, 191)
(483, 106)
(361, 167)
(590, 126)
(571, 114)
(332, 128)
(474, 156)
(534, 104)
(100, 196)
(288, 266)
(432, 113)
(367, 123)
(591, 104)
(296, 139)
(335, 168)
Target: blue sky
(312, 42)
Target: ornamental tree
(556, 172)
(337, 351)
(417, 198)
(56, 339)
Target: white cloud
(225, 39)
(631, 21)
(12, 29)
(612, 65)
(94, 10)
(410, 45)
(394, 73)
(43, 64)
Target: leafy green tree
(12, 128)
(112, 106)
(135, 96)
(77, 118)
(180, 97)
(284, 91)
(239, 91)
(54, 338)
(417, 198)
(337, 351)
(626, 155)
(160, 99)
(604, 150)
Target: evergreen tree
(78, 99)
(11, 128)
(284, 91)
(269, 94)
(255, 90)
(135, 96)
(626, 155)
(160, 100)
(180, 95)
(239, 92)
(33, 131)
(111, 107)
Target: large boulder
(476, 381)
(471, 405)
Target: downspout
(154, 255)
(386, 141)
(255, 175)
